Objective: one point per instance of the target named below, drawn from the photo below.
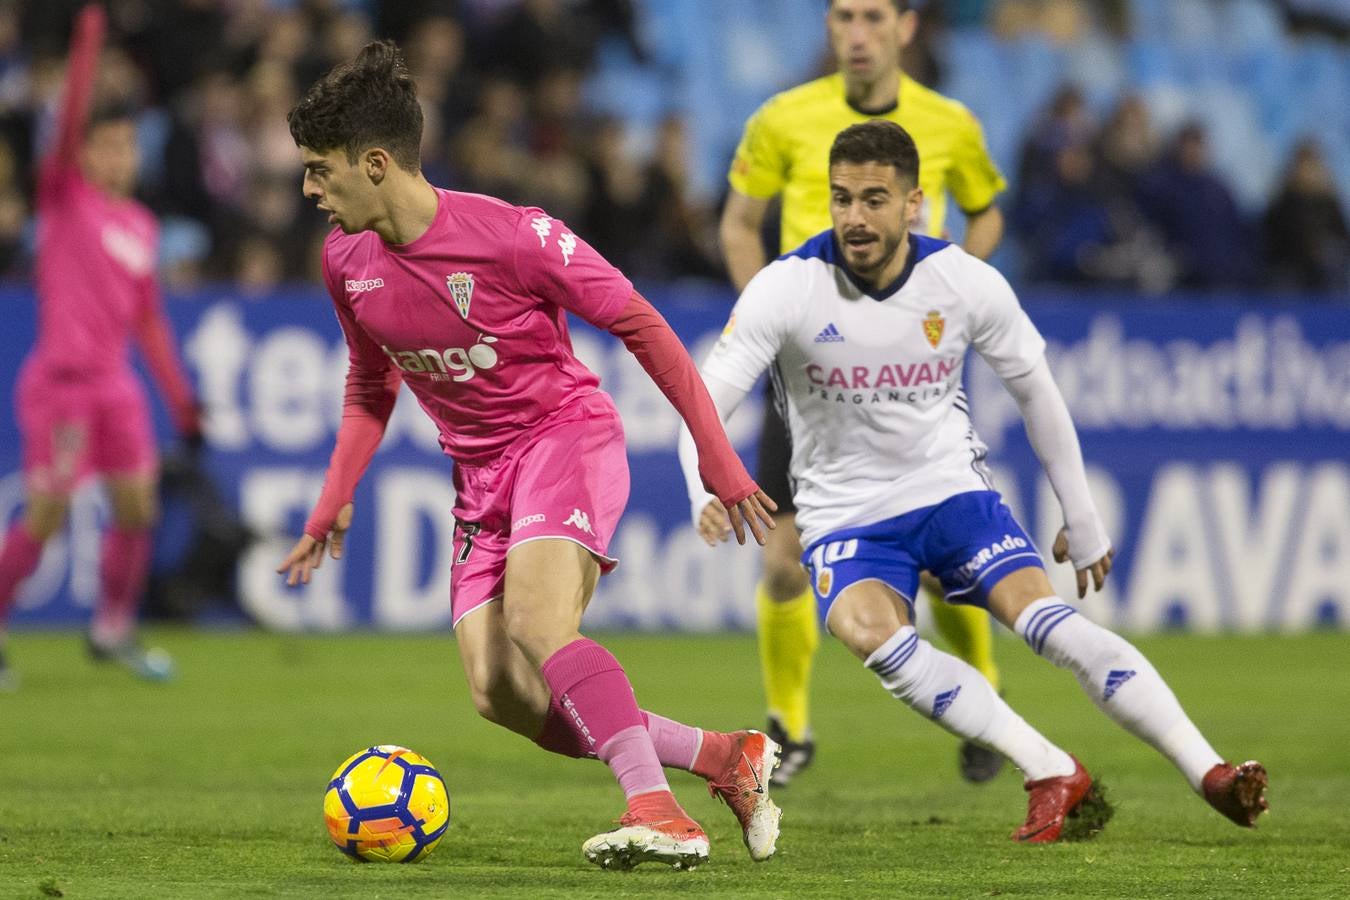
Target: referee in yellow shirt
(785, 150)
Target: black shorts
(775, 453)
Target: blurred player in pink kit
(465, 298)
(81, 409)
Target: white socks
(1120, 681)
(961, 700)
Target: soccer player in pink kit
(465, 298)
(81, 408)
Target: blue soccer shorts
(969, 541)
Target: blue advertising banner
(1217, 437)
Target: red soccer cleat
(1238, 792)
(1050, 802)
(744, 787)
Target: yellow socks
(968, 632)
(788, 638)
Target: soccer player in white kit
(865, 328)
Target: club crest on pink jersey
(461, 290)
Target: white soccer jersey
(869, 382)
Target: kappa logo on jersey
(1114, 679)
(461, 289)
(567, 242)
(450, 364)
(933, 326)
(829, 335)
(977, 562)
(543, 227)
(943, 702)
(361, 285)
(579, 520)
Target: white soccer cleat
(744, 787)
(679, 843)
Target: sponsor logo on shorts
(528, 520)
(977, 562)
(943, 702)
(360, 285)
(581, 521)
(1114, 679)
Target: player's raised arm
(1012, 346)
(91, 26)
(371, 390)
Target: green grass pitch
(212, 786)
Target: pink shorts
(567, 479)
(74, 428)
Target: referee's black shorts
(775, 452)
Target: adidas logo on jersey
(1114, 679)
(829, 335)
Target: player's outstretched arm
(368, 401)
(648, 336)
(86, 43)
(1083, 541)
(710, 516)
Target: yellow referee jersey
(786, 149)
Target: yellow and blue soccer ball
(386, 804)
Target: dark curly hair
(368, 102)
(879, 141)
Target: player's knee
(784, 578)
(492, 694)
(44, 519)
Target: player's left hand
(307, 554)
(1099, 569)
(756, 511)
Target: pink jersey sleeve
(650, 338)
(160, 349)
(555, 265)
(86, 43)
(372, 388)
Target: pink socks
(18, 559)
(125, 560)
(678, 746)
(590, 687)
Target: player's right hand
(1098, 570)
(307, 554)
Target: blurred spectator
(1307, 243)
(1197, 216)
(539, 37)
(1066, 122)
(638, 215)
(13, 210)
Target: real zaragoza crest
(461, 289)
(932, 327)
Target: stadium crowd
(501, 83)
